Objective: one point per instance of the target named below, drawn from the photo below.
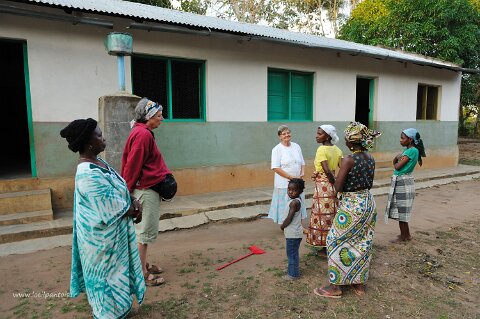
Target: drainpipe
(119, 44)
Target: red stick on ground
(254, 251)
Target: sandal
(360, 292)
(154, 269)
(152, 280)
(322, 292)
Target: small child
(402, 189)
(292, 227)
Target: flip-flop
(358, 292)
(324, 293)
(154, 269)
(155, 281)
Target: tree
(443, 29)
(194, 6)
(309, 16)
(158, 3)
(316, 16)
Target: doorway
(364, 101)
(15, 161)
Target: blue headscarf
(417, 141)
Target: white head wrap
(330, 130)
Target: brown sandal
(154, 269)
(323, 292)
(152, 280)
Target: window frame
(202, 87)
(311, 91)
(425, 102)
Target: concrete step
(25, 201)
(61, 225)
(384, 172)
(194, 210)
(383, 164)
(25, 218)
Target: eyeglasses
(285, 133)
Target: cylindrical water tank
(119, 43)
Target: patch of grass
(188, 285)
(469, 161)
(277, 272)
(207, 262)
(21, 308)
(212, 275)
(172, 308)
(186, 270)
(67, 307)
(82, 307)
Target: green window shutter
(278, 95)
(301, 101)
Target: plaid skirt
(400, 198)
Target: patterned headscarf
(358, 133)
(145, 110)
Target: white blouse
(289, 159)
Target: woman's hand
(135, 211)
(397, 158)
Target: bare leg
(404, 231)
(359, 289)
(142, 251)
(322, 252)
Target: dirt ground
(437, 275)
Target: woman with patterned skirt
(324, 206)
(105, 260)
(349, 241)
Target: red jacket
(142, 164)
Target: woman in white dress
(287, 163)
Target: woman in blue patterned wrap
(105, 260)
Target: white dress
(289, 159)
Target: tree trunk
(476, 131)
(461, 122)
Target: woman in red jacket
(143, 167)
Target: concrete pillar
(115, 113)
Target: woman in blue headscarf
(402, 189)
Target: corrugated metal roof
(152, 13)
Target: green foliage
(476, 4)
(444, 29)
(367, 24)
(194, 6)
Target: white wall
(68, 73)
(70, 70)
